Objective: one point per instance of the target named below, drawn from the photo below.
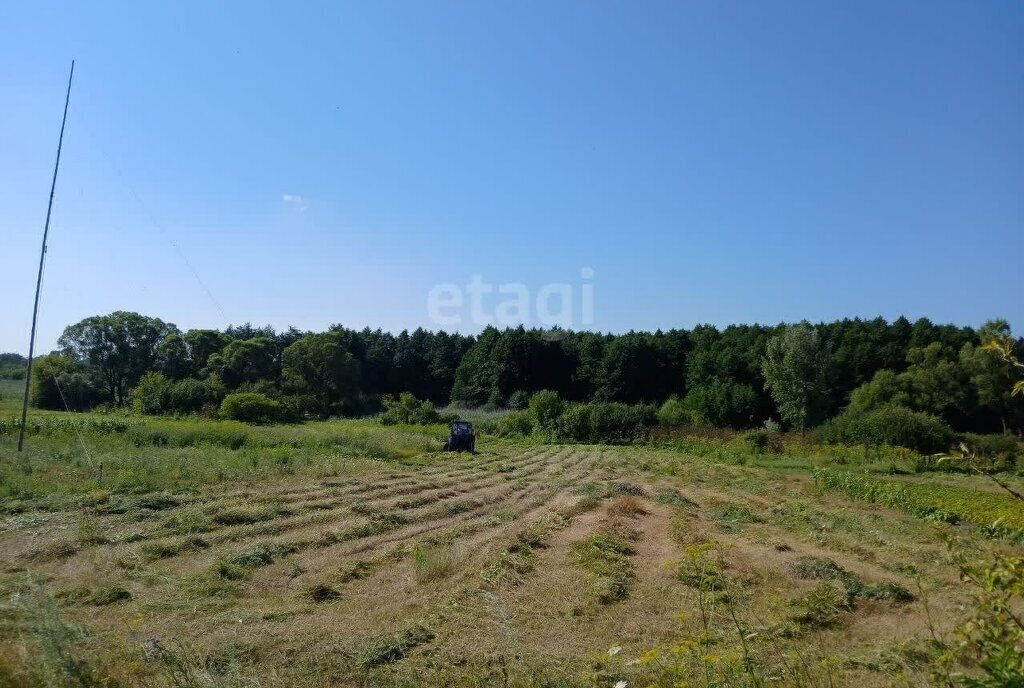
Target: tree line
(740, 376)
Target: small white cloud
(298, 202)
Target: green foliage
(189, 395)
(993, 636)
(121, 346)
(58, 383)
(108, 594)
(724, 374)
(797, 371)
(156, 394)
(822, 607)
(997, 512)
(605, 423)
(724, 402)
(885, 389)
(153, 394)
(892, 425)
(700, 569)
(515, 424)
(319, 366)
(55, 650)
(545, 408)
(675, 412)
(172, 357)
(202, 344)
(670, 497)
(757, 440)
(827, 570)
(246, 360)
(408, 410)
(250, 407)
(518, 400)
(993, 453)
(606, 558)
(12, 366)
(995, 370)
(934, 382)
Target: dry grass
(449, 570)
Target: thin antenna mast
(42, 257)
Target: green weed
(606, 558)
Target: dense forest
(735, 377)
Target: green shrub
(892, 425)
(188, 395)
(545, 408)
(574, 423)
(604, 422)
(45, 370)
(821, 607)
(250, 407)
(995, 452)
(518, 400)
(515, 423)
(153, 394)
(757, 441)
(406, 409)
(675, 412)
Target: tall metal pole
(42, 256)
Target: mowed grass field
(344, 553)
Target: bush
(153, 394)
(515, 423)
(893, 425)
(545, 408)
(675, 412)
(188, 395)
(609, 422)
(48, 377)
(997, 452)
(80, 391)
(574, 423)
(407, 409)
(756, 440)
(250, 407)
(518, 400)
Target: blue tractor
(461, 437)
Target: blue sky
(304, 164)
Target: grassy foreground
(167, 552)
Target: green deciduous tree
(246, 360)
(121, 346)
(202, 344)
(797, 366)
(172, 357)
(44, 392)
(318, 365)
(994, 377)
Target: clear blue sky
(710, 161)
